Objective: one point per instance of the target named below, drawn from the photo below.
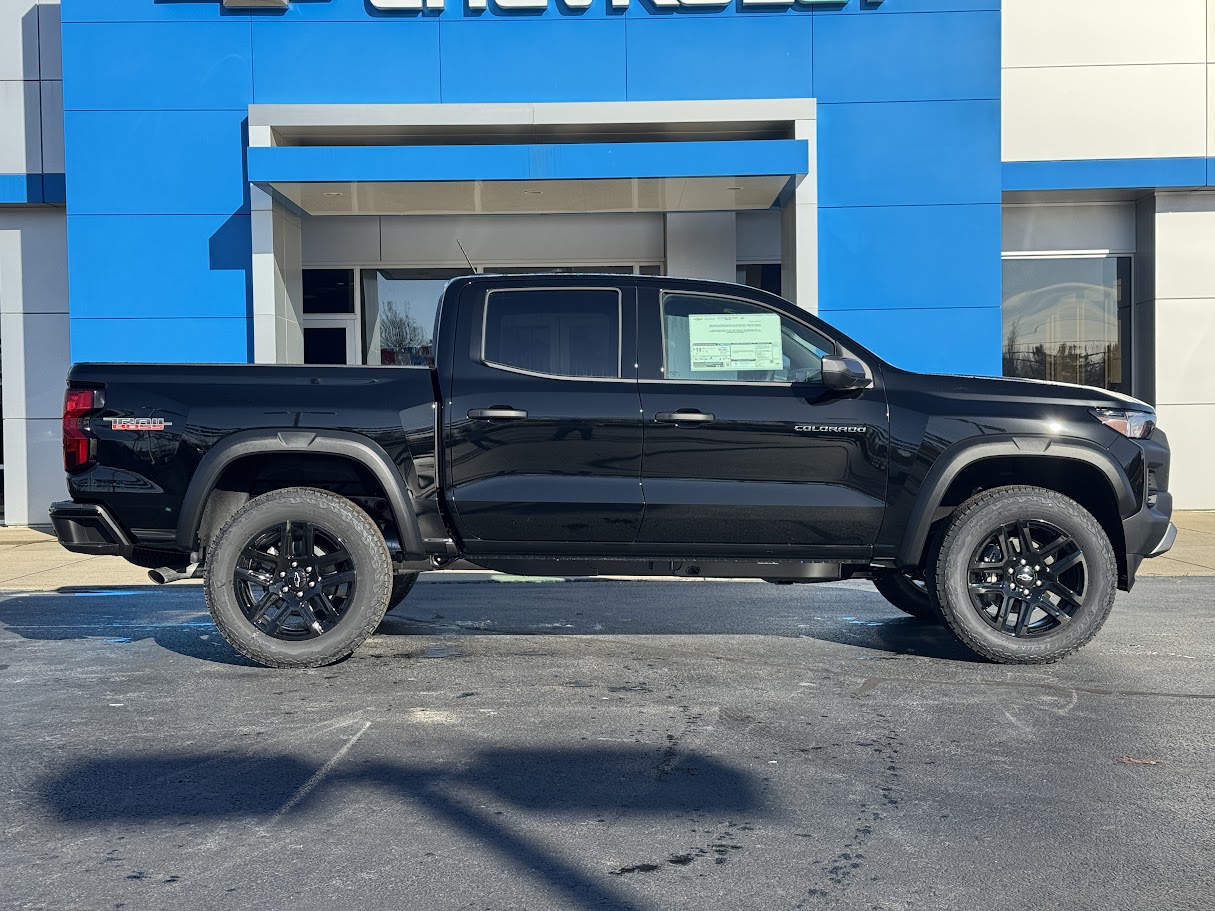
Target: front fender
(968, 452)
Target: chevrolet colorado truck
(588, 425)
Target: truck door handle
(683, 417)
(497, 413)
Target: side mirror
(844, 373)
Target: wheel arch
(204, 502)
(1087, 474)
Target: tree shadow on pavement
(279, 791)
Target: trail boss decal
(829, 428)
(138, 423)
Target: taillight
(79, 444)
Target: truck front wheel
(298, 577)
(1023, 575)
(907, 594)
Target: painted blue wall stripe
(530, 162)
(1107, 174)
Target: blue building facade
(905, 156)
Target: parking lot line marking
(324, 770)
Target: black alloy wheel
(298, 577)
(1028, 578)
(1023, 575)
(295, 580)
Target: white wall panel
(1185, 245)
(523, 240)
(20, 128)
(701, 245)
(1211, 110)
(1191, 431)
(1088, 226)
(33, 470)
(50, 58)
(1099, 32)
(341, 239)
(758, 236)
(33, 261)
(52, 127)
(1086, 112)
(35, 363)
(18, 39)
(1185, 339)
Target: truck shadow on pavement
(176, 619)
(476, 802)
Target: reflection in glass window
(715, 339)
(1068, 320)
(567, 332)
(399, 308)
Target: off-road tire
(402, 585)
(950, 567)
(907, 595)
(346, 524)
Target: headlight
(1134, 424)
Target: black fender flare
(328, 442)
(953, 460)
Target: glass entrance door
(331, 319)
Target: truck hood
(991, 388)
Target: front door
(744, 445)
(543, 425)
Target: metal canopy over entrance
(681, 160)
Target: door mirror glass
(844, 373)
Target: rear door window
(563, 332)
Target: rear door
(543, 420)
(744, 445)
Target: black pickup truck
(616, 425)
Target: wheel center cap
(296, 579)
(1026, 576)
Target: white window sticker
(735, 341)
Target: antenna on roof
(466, 259)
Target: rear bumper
(86, 528)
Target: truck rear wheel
(907, 594)
(1024, 575)
(298, 577)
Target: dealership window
(765, 276)
(330, 317)
(399, 308)
(1068, 319)
(386, 316)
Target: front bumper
(87, 528)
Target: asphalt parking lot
(605, 745)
